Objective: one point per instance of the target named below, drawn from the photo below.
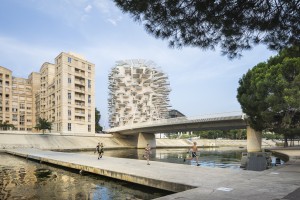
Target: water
(209, 157)
(224, 157)
(26, 179)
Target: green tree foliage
(269, 93)
(6, 126)
(234, 25)
(239, 134)
(43, 125)
(271, 136)
(98, 128)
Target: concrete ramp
(201, 182)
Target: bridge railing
(180, 120)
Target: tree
(98, 128)
(234, 25)
(269, 94)
(6, 126)
(43, 125)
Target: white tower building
(138, 92)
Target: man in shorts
(194, 150)
(99, 150)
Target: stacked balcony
(136, 87)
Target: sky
(36, 31)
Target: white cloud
(115, 21)
(103, 6)
(88, 8)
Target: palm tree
(6, 126)
(43, 125)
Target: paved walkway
(190, 182)
(282, 182)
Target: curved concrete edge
(149, 182)
(291, 154)
(268, 188)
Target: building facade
(62, 93)
(138, 92)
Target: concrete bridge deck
(191, 182)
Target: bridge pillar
(146, 138)
(253, 140)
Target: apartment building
(17, 99)
(138, 92)
(62, 93)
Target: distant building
(62, 93)
(175, 113)
(138, 92)
(17, 99)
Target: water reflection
(25, 179)
(224, 157)
(210, 157)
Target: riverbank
(191, 182)
(69, 142)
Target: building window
(69, 95)
(69, 127)
(14, 117)
(22, 106)
(69, 80)
(89, 83)
(89, 67)
(89, 99)
(69, 60)
(89, 117)
(69, 114)
(89, 128)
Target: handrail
(179, 120)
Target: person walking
(147, 153)
(194, 150)
(99, 150)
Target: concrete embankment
(191, 182)
(64, 142)
(60, 142)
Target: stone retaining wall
(54, 141)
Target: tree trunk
(285, 141)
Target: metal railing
(183, 120)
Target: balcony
(79, 104)
(79, 119)
(80, 89)
(79, 113)
(79, 81)
(79, 96)
(79, 72)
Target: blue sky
(36, 31)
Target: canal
(209, 157)
(26, 179)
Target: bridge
(220, 121)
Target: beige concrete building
(138, 92)
(62, 93)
